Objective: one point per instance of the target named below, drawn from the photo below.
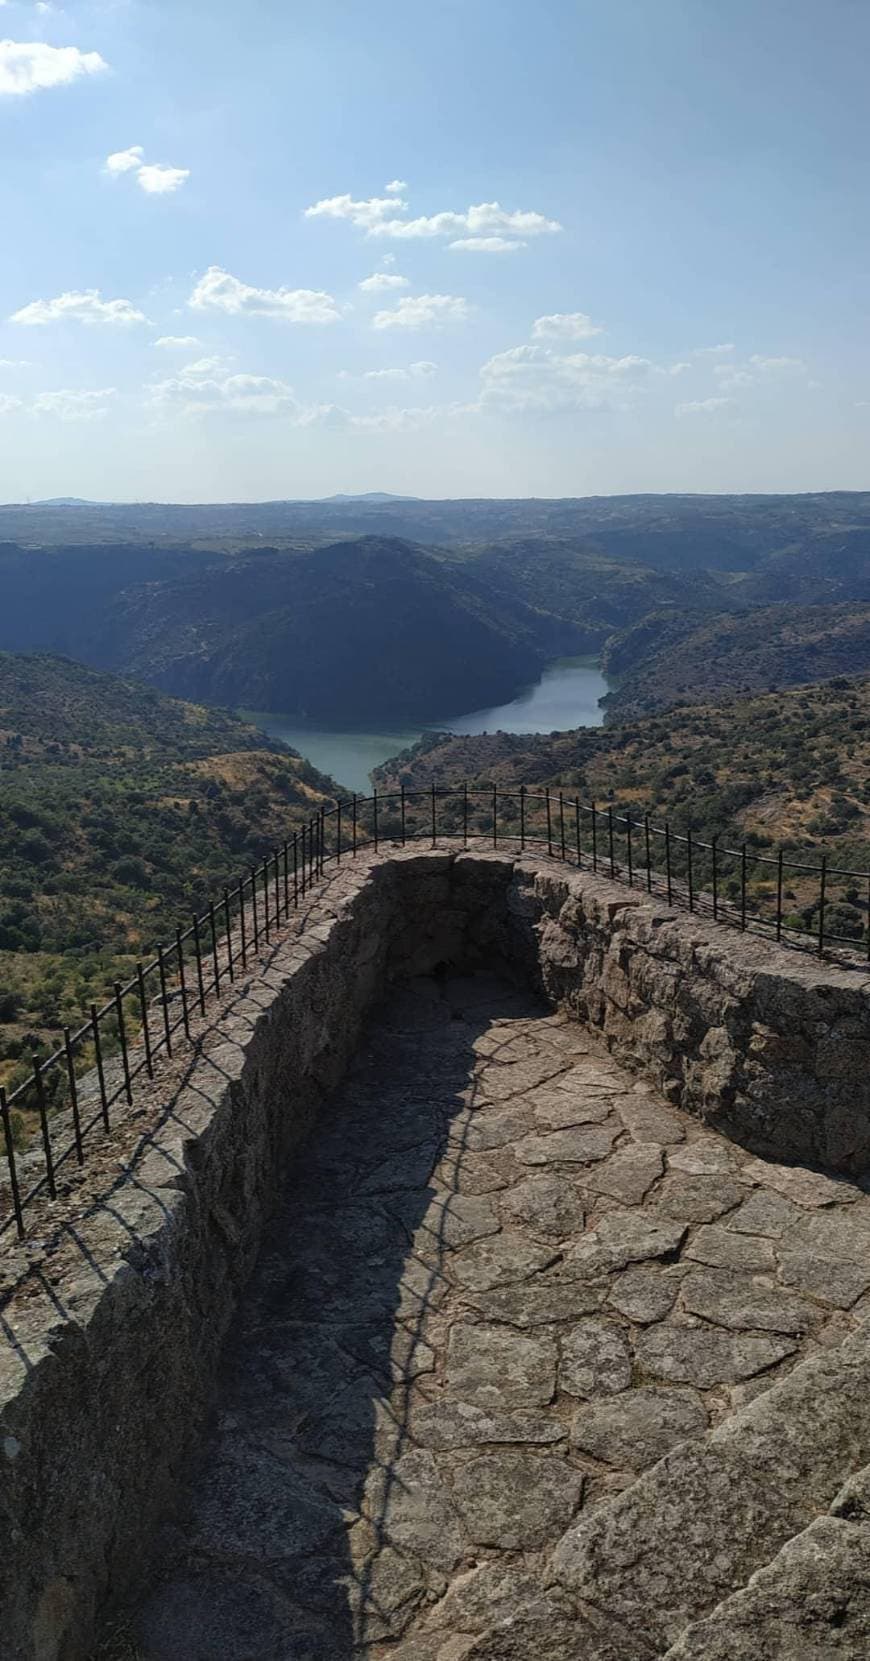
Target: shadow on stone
(316, 1523)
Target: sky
(452, 248)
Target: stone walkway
(506, 1279)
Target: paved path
(506, 1278)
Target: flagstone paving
(505, 1279)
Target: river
(566, 696)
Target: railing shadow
(312, 1525)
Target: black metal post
(689, 866)
(277, 880)
(254, 903)
(338, 833)
(743, 886)
(822, 883)
(296, 869)
(779, 895)
(549, 823)
(668, 858)
(229, 935)
(122, 1034)
(562, 824)
(714, 849)
(43, 1122)
(610, 839)
(577, 832)
(197, 951)
(494, 816)
(465, 814)
(628, 843)
(522, 817)
(402, 811)
(594, 837)
(164, 1001)
(243, 931)
(10, 1160)
(648, 854)
(73, 1095)
(285, 859)
(179, 947)
(353, 843)
(433, 814)
(214, 951)
(143, 1010)
(375, 817)
(266, 928)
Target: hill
(121, 810)
(674, 532)
(677, 657)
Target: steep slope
(377, 627)
(676, 658)
(120, 810)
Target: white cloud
(8, 404)
(731, 377)
(539, 380)
(565, 325)
(79, 306)
(679, 368)
(775, 366)
(67, 405)
(159, 180)
(377, 216)
(713, 351)
(704, 406)
(219, 291)
(173, 343)
(125, 161)
(32, 66)
(14, 363)
(423, 311)
(396, 187)
(413, 372)
(381, 280)
(207, 388)
(206, 366)
(486, 245)
(155, 178)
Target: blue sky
(563, 249)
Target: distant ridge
(371, 496)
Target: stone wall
(118, 1304)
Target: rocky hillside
(673, 657)
(120, 811)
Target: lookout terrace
(488, 1277)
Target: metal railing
(77, 1089)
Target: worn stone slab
(580, 1145)
(595, 1359)
(515, 1500)
(723, 1248)
(495, 1367)
(547, 1205)
(447, 1424)
(635, 1429)
(628, 1174)
(698, 1199)
(705, 1356)
(735, 1300)
(645, 1294)
(538, 1302)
